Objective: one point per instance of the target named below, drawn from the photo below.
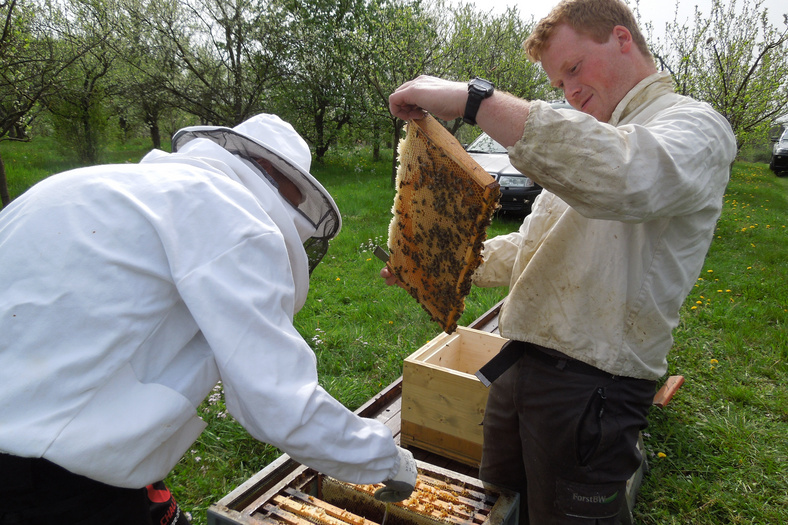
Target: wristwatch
(478, 90)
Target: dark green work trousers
(564, 435)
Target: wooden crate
(442, 400)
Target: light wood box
(443, 401)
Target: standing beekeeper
(130, 290)
(597, 273)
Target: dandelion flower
(662, 455)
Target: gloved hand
(402, 485)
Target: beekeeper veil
(277, 151)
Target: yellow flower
(714, 361)
(339, 279)
(694, 308)
(662, 455)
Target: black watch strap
(478, 90)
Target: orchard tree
(145, 56)
(735, 60)
(36, 50)
(224, 57)
(400, 40)
(323, 82)
(81, 108)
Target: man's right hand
(502, 116)
(443, 98)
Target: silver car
(779, 161)
(517, 191)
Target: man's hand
(502, 116)
(390, 278)
(442, 98)
(401, 486)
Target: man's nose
(572, 93)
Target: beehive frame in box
(286, 493)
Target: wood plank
(464, 451)
(668, 390)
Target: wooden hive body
(443, 401)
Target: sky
(658, 12)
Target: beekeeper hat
(269, 137)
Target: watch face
(481, 86)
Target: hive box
(442, 400)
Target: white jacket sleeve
(632, 172)
(243, 302)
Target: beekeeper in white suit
(130, 290)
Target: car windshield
(484, 144)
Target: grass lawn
(717, 452)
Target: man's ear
(623, 37)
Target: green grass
(28, 162)
(717, 452)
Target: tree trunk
(155, 133)
(376, 143)
(4, 197)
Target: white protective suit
(130, 290)
(615, 242)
